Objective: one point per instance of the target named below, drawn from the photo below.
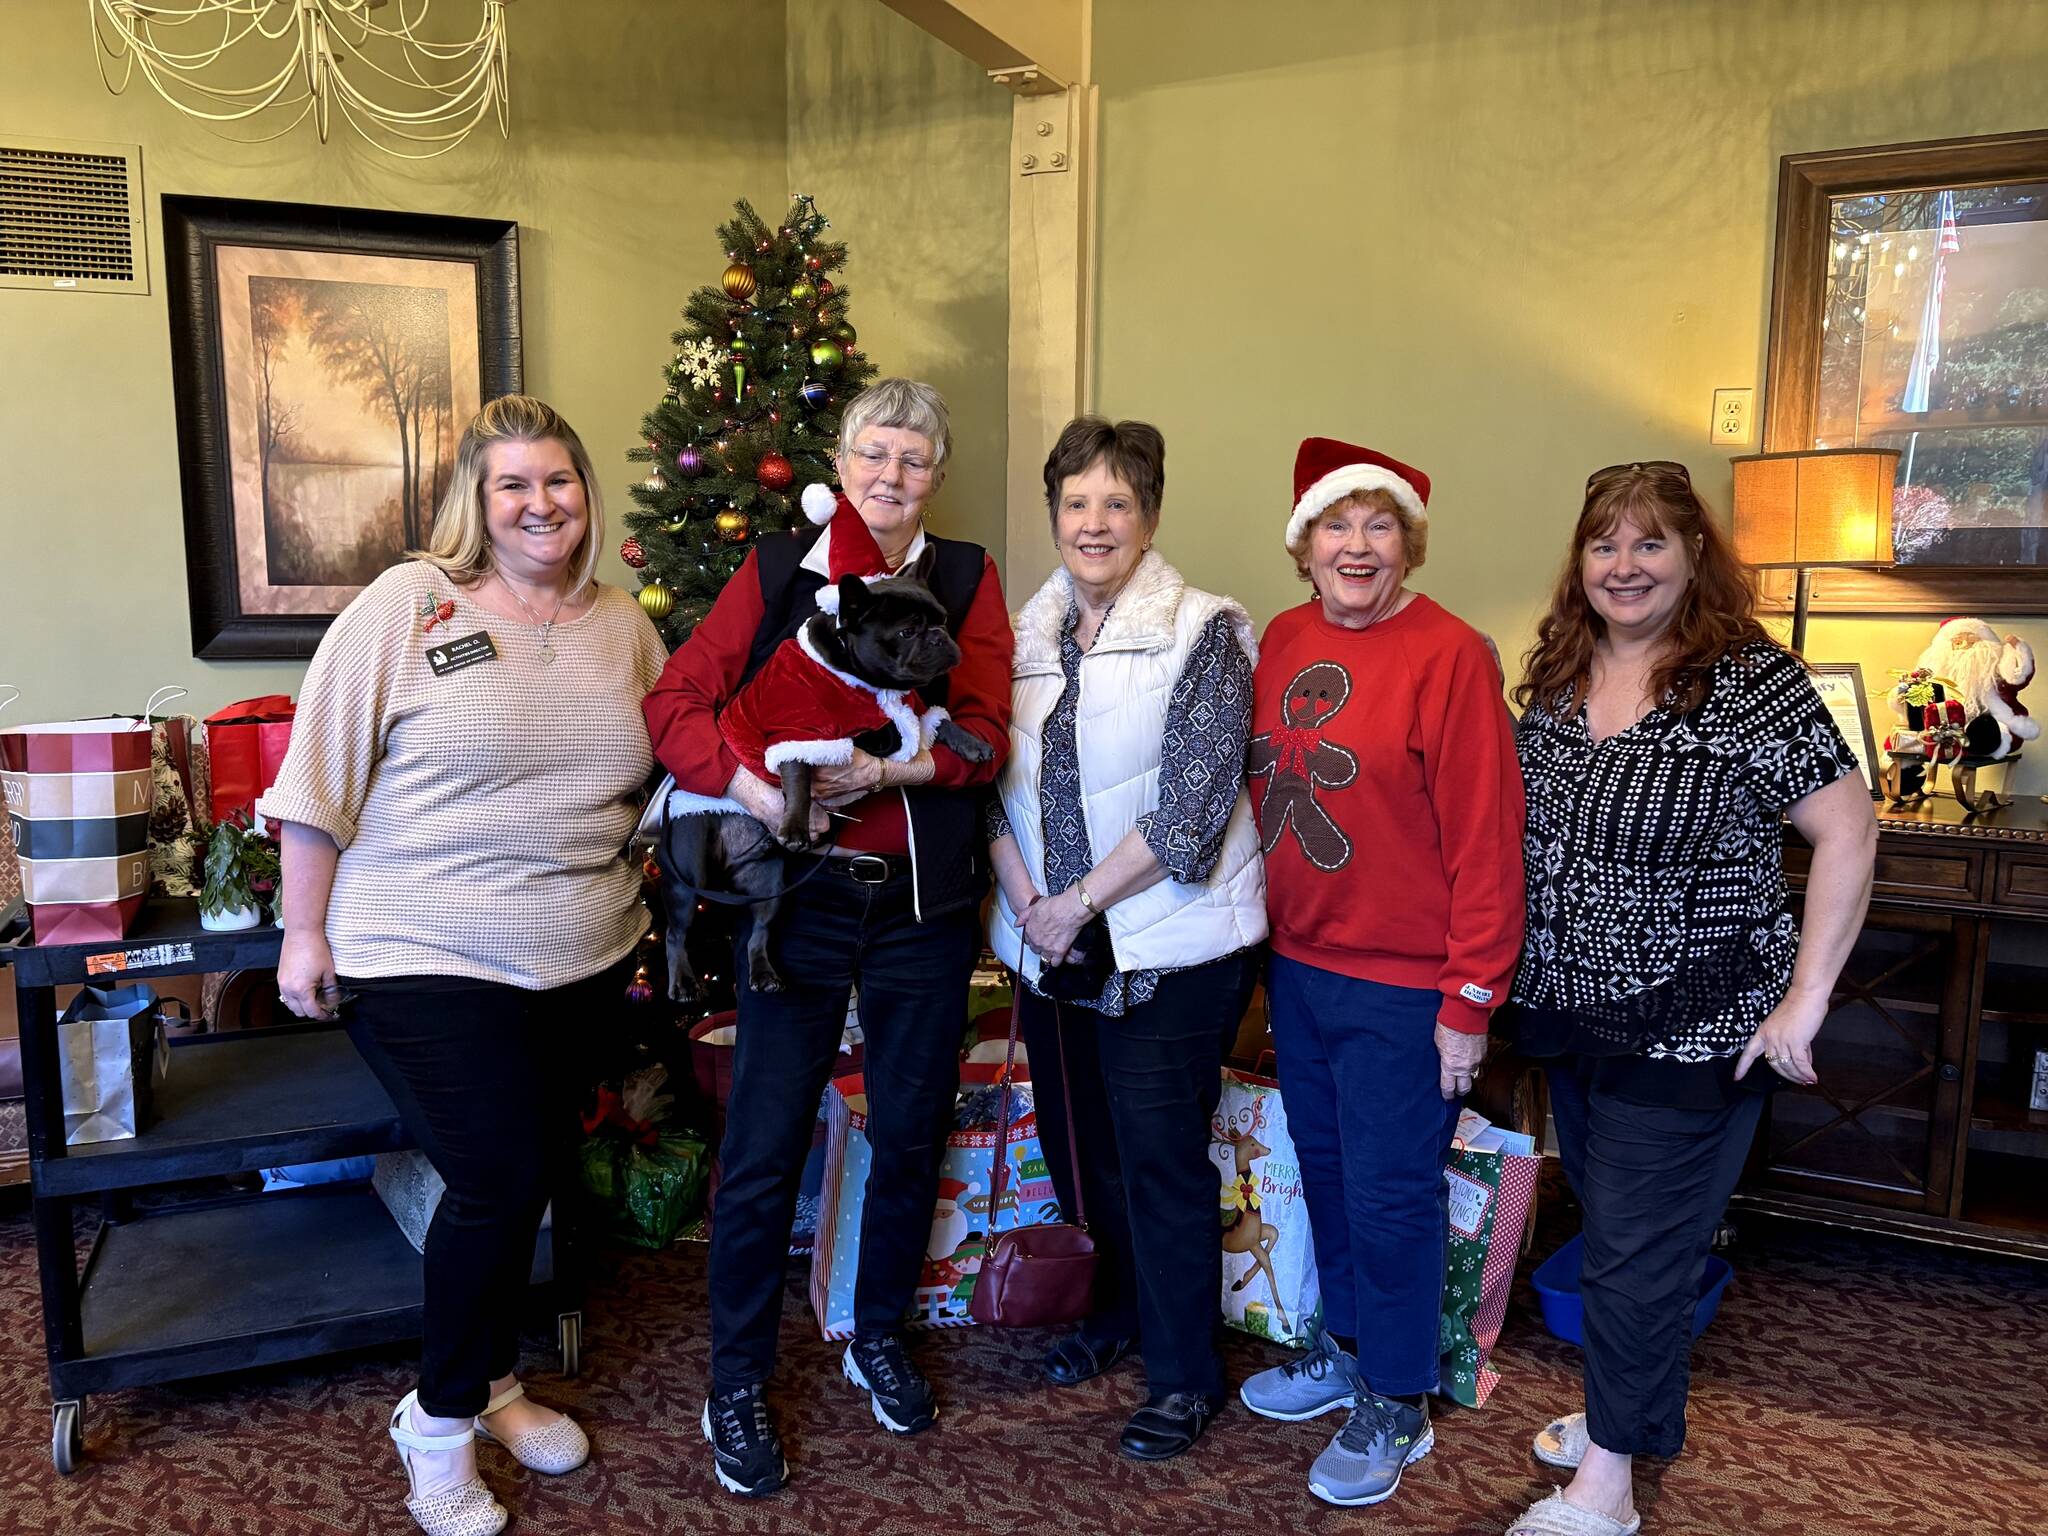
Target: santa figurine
(1976, 675)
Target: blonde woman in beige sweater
(463, 774)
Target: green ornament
(826, 354)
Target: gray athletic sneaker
(1311, 1383)
(1362, 1465)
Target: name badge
(454, 655)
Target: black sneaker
(746, 1453)
(902, 1398)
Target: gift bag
(178, 822)
(245, 747)
(961, 1219)
(10, 871)
(79, 795)
(647, 1191)
(1491, 1180)
(1270, 1285)
(111, 1053)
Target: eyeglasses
(1600, 477)
(915, 465)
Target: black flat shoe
(1078, 1358)
(1167, 1425)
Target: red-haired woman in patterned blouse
(1665, 740)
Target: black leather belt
(872, 868)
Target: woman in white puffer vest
(1131, 903)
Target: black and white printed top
(1656, 894)
(1201, 755)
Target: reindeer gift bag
(1269, 1262)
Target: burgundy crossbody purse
(1044, 1275)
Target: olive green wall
(905, 145)
(635, 123)
(1506, 240)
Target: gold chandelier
(406, 94)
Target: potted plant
(227, 900)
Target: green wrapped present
(646, 1192)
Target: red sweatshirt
(1390, 804)
(682, 710)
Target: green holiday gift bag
(1491, 1179)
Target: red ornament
(633, 553)
(824, 287)
(775, 472)
(815, 263)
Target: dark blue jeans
(1359, 1076)
(834, 932)
(1144, 1089)
(1654, 1182)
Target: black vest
(948, 836)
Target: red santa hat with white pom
(1326, 471)
(852, 550)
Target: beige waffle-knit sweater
(480, 814)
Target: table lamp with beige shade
(1818, 507)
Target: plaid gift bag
(1491, 1179)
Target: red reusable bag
(245, 744)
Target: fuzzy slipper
(1562, 1442)
(1554, 1517)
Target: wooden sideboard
(1920, 1125)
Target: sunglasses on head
(1600, 477)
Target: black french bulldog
(889, 634)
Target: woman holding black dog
(1132, 905)
(894, 910)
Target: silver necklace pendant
(547, 644)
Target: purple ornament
(690, 462)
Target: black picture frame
(194, 230)
(1863, 743)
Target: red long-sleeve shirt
(1390, 802)
(682, 710)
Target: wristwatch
(1087, 901)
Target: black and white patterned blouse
(1201, 758)
(1656, 893)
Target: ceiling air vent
(71, 216)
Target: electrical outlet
(1733, 417)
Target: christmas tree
(763, 363)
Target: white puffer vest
(1127, 679)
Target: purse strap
(1002, 1159)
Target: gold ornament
(657, 600)
(731, 524)
(739, 282)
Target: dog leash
(730, 898)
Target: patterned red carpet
(1848, 1386)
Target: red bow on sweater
(1293, 746)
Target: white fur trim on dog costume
(1338, 484)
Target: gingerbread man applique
(1299, 759)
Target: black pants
(1145, 1087)
(1654, 1183)
(834, 931)
(484, 1082)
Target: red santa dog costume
(800, 709)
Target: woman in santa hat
(895, 909)
(1665, 741)
(1391, 812)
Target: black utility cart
(183, 1286)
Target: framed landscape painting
(325, 361)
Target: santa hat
(952, 1190)
(1326, 471)
(852, 550)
